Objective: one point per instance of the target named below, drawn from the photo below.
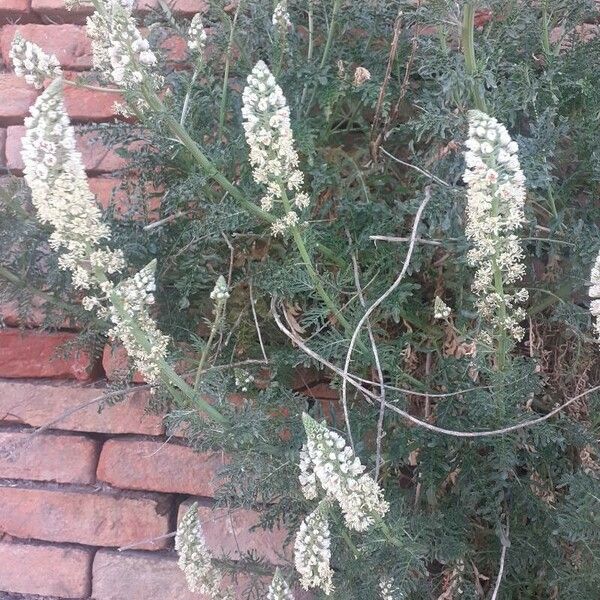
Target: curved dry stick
(451, 432)
(386, 294)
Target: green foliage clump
(370, 153)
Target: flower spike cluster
(495, 211)
(118, 48)
(32, 63)
(60, 192)
(279, 589)
(195, 559)
(281, 18)
(272, 154)
(341, 475)
(594, 293)
(196, 41)
(61, 195)
(129, 315)
(312, 552)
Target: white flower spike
(279, 589)
(32, 63)
(495, 212)
(341, 475)
(312, 552)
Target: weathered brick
(146, 465)
(42, 354)
(12, 10)
(96, 157)
(69, 43)
(179, 7)
(134, 205)
(16, 96)
(37, 315)
(93, 519)
(88, 105)
(229, 532)
(116, 364)
(39, 404)
(142, 575)
(56, 11)
(48, 457)
(3, 148)
(45, 569)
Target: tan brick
(96, 157)
(180, 7)
(42, 354)
(39, 404)
(229, 532)
(94, 519)
(146, 465)
(48, 457)
(58, 13)
(69, 43)
(45, 570)
(16, 96)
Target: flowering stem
(207, 166)
(312, 273)
(186, 101)
(226, 72)
(219, 310)
(468, 46)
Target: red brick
(16, 96)
(39, 404)
(228, 532)
(116, 364)
(96, 157)
(69, 43)
(11, 10)
(56, 11)
(81, 517)
(139, 576)
(147, 465)
(45, 570)
(42, 457)
(89, 105)
(3, 148)
(179, 7)
(41, 354)
(136, 204)
(36, 316)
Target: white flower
(281, 18)
(312, 552)
(118, 48)
(495, 211)
(388, 590)
(360, 76)
(220, 292)
(342, 476)
(32, 63)
(594, 293)
(279, 589)
(272, 154)
(195, 559)
(307, 477)
(440, 309)
(196, 41)
(132, 324)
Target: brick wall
(91, 482)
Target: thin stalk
(309, 54)
(545, 29)
(223, 107)
(468, 46)
(219, 309)
(186, 101)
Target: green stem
(312, 273)
(222, 108)
(545, 29)
(468, 46)
(219, 309)
(332, 24)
